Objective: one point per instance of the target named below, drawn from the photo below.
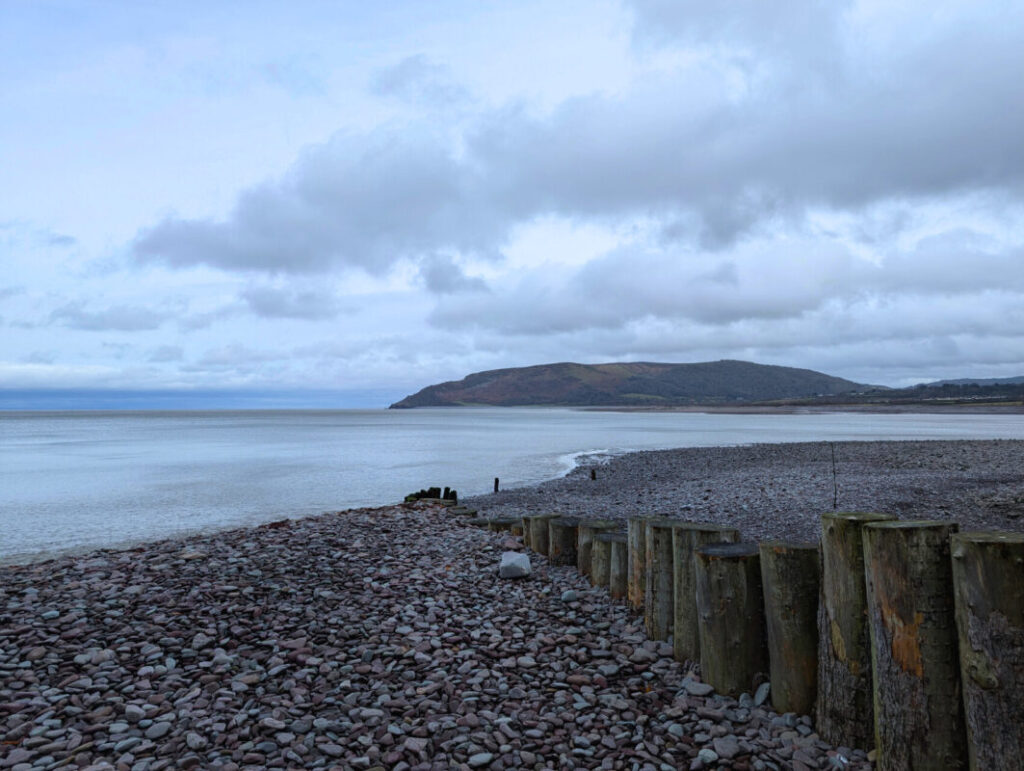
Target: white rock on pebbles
(375, 638)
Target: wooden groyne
(905, 637)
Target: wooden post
(687, 537)
(845, 713)
(917, 700)
(730, 611)
(495, 484)
(600, 561)
(585, 538)
(539, 532)
(562, 540)
(988, 584)
(658, 602)
(526, 530)
(790, 576)
(618, 568)
(636, 536)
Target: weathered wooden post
(988, 582)
(790, 576)
(730, 610)
(526, 530)
(917, 700)
(845, 714)
(539, 532)
(636, 537)
(562, 540)
(618, 568)
(600, 561)
(687, 537)
(658, 601)
(585, 538)
(495, 484)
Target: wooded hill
(630, 384)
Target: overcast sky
(354, 195)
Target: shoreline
(823, 409)
(779, 491)
(647, 475)
(382, 636)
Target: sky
(368, 198)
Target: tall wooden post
(636, 536)
(845, 714)
(562, 540)
(790, 575)
(917, 700)
(526, 530)
(618, 568)
(988, 581)
(687, 537)
(585, 538)
(730, 609)
(658, 581)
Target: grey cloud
(762, 283)
(166, 353)
(442, 275)
(10, 291)
(419, 79)
(122, 318)
(363, 202)
(938, 115)
(290, 303)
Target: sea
(77, 481)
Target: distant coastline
(923, 408)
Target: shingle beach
(383, 638)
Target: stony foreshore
(382, 638)
(780, 490)
(374, 638)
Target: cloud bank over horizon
(360, 199)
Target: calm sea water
(77, 480)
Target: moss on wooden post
(844, 714)
(585, 539)
(917, 700)
(790, 576)
(658, 581)
(562, 540)
(730, 610)
(988, 582)
(539, 532)
(687, 537)
(636, 545)
(618, 567)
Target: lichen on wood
(687, 537)
(845, 711)
(918, 709)
(791, 577)
(988, 581)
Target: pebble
(372, 638)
